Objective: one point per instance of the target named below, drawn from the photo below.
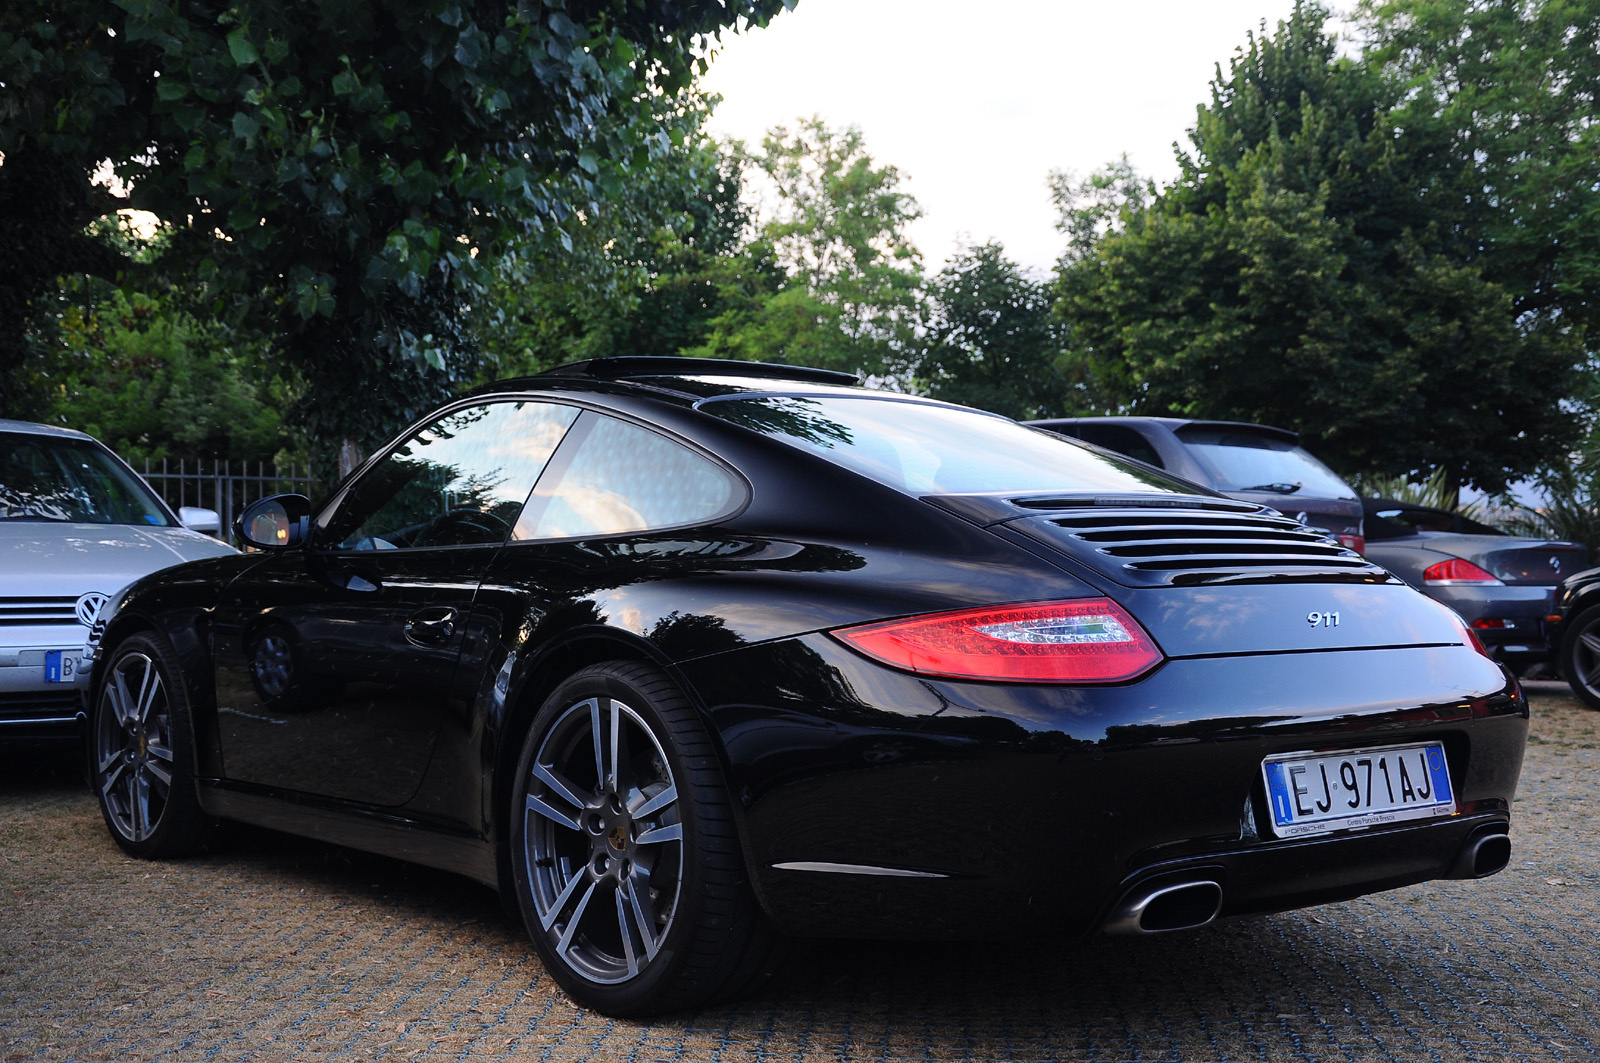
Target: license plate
(1313, 793)
(60, 666)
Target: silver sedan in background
(76, 526)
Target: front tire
(1580, 656)
(143, 753)
(627, 865)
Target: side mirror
(201, 520)
(281, 522)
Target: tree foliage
(352, 174)
(990, 339)
(1507, 95)
(830, 278)
(649, 270)
(1306, 270)
(151, 380)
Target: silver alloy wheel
(603, 840)
(133, 746)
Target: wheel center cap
(618, 837)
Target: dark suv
(1252, 462)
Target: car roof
(34, 429)
(687, 379)
(1174, 424)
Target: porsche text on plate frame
(686, 658)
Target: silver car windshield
(927, 448)
(49, 478)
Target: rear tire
(627, 865)
(142, 750)
(1580, 656)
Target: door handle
(433, 626)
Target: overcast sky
(976, 112)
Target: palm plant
(1572, 512)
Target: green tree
(1509, 93)
(991, 340)
(352, 175)
(836, 231)
(1302, 272)
(649, 270)
(153, 381)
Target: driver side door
(335, 663)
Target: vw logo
(88, 607)
(1555, 563)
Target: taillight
(1455, 570)
(1085, 640)
(1353, 542)
(1473, 640)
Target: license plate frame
(1309, 792)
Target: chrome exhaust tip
(1482, 855)
(1158, 909)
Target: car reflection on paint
(687, 658)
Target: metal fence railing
(225, 486)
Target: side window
(1121, 439)
(612, 477)
(460, 481)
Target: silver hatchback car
(76, 526)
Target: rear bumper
(879, 804)
(1524, 638)
(1259, 879)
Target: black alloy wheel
(1580, 656)
(277, 671)
(272, 666)
(142, 748)
(627, 864)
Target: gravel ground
(272, 948)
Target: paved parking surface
(274, 949)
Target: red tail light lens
(1085, 640)
(1472, 638)
(1456, 570)
(1354, 542)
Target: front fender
(177, 604)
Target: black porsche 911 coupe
(688, 657)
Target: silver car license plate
(60, 666)
(1313, 793)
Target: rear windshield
(1246, 461)
(922, 448)
(48, 478)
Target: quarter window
(612, 477)
(460, 481)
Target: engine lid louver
(1152, 546)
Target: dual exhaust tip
(1482, 855)
(1156, 909)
